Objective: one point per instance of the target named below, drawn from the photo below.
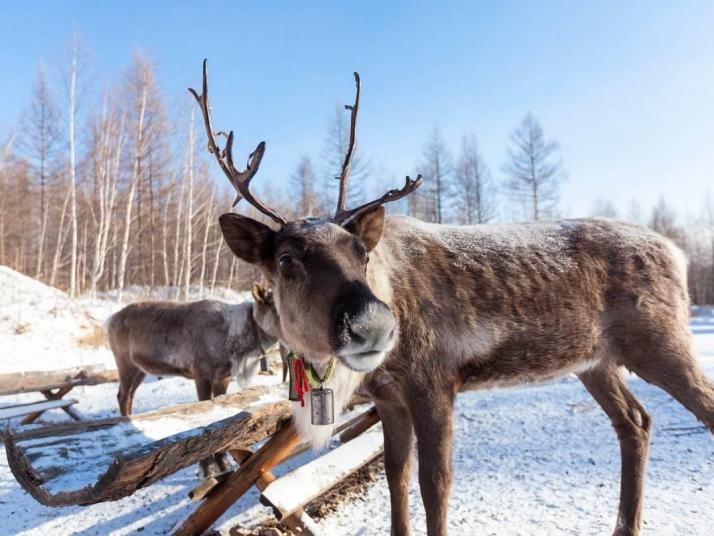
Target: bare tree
(663, 220)
(39, 144)
(108, 141)
(437, 169)
(188, 238)
(534, 169)
(475, 199)
(303, 186)
(5, 156)
(137, 117)
(209, 220)
(71, 120)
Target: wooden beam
(275, 450)
(39, 380)
(33, 408)
(363, 423)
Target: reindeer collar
(304, 376)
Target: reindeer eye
(285, 261)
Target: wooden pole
(268, 456)
(361, 424)
(299, 519)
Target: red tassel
(302, 386)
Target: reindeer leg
(672, 365)
(139, 376)
(432, 415)
(218, 388)
(398, 448)
(632, 424)
(127, 373)
(203, 389)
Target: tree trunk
(73, 170)
(130, 196)
(189, 210)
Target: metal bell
(322, 406)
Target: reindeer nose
(370, 330)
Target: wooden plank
(275, 450)
(51, 395)
(90, 462)
(291, 492)
(40, 380)
(9, 412)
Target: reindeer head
(317, 267)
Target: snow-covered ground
(534, 460)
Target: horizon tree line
(109, 190)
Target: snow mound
(41, 328)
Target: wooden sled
(90, 462)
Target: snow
(536, 460)
(29, 310)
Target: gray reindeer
(207, 341)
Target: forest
(106, 189)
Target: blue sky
(627, 88)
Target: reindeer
(207, 341)
(418, 312)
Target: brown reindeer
(418, 312)
(207, 341)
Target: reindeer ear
(257, 292)
(248, 239)
(369, 227)
(262, 294)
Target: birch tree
(188, 239)
(140, 98)
(108, 144)
(71, 120)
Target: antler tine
(410, 185)
(345, 174)
(239, 179)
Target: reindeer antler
(342, 214)
(346, 165)
(345, 216)
(239, 179)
